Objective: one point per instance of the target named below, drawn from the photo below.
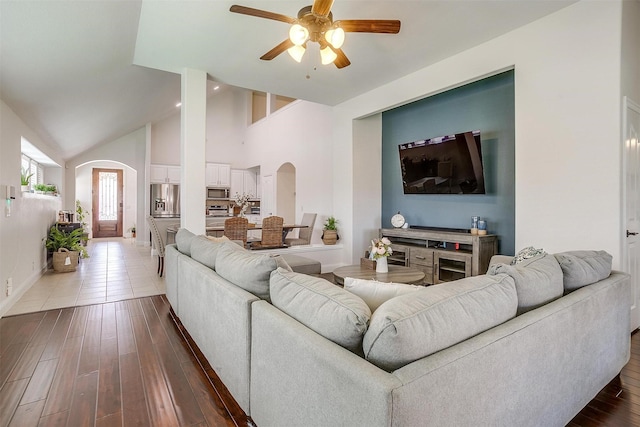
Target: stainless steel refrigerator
(165, 200)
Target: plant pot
(330, 237)
(133, 234)
(24, 188)
(65, 260)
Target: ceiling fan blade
(342, 60)
(386, 26)
(321, 7)
(277, 50)
(261, 13)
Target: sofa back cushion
(183, 241)
(247, 270)
(375, 293)
(412, 326)
(581, 268)
(327, 309)
(205, 251)
(538, 280)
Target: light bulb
(298, 34)
(335, 36)
(327, 56)
(296, 52)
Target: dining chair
(158, 243)
(235, 228)
(271, 233)
(304, 234)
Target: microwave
(217, 193)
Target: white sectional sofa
(528, 345)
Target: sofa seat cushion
(375, 293)
(247, 270)
(183, 241)
(538, 280)
(301, 264)
(582, 268)
(415, 325)
(323, 307)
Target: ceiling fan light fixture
(297, 52)
(335, 36)
(327, 55)
(298, 34)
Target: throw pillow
(415, 325)
(375, 293)
(527, 253)
(538, 280)
(325, 308)
(244, 269)
(581, 268)
(183, 241)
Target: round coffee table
(396, 274)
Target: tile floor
(116, 270)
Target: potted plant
(133, 231)
(66, 248)
(25, 178)
(40, 188)
(80, 215)
(330, 231)
(50, 189)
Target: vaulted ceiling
(81, 73)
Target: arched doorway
(286, 193)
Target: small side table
(397, 274)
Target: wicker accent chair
(235, 228)
(271, 233)
(158, 243)
(304, 234)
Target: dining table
(218, 230)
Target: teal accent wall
(486, 105)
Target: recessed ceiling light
(178, 104)
(216, 88)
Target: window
(32, 167)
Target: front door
(107, 202)
(631, 123)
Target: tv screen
(450, 164)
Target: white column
(193, 116)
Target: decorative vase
(381, 265)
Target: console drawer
(421, 256)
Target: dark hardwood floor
(129, 363)
(115, 364)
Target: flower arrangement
(380, 248)
(242, 201)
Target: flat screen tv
(450, 164)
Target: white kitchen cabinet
(218, 175)
(244, 182)
(164, 174)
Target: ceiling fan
(315, 23)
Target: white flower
(381, 248)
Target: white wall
(567, 102)
(226, 124)
(299, 133)
(22, 252)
